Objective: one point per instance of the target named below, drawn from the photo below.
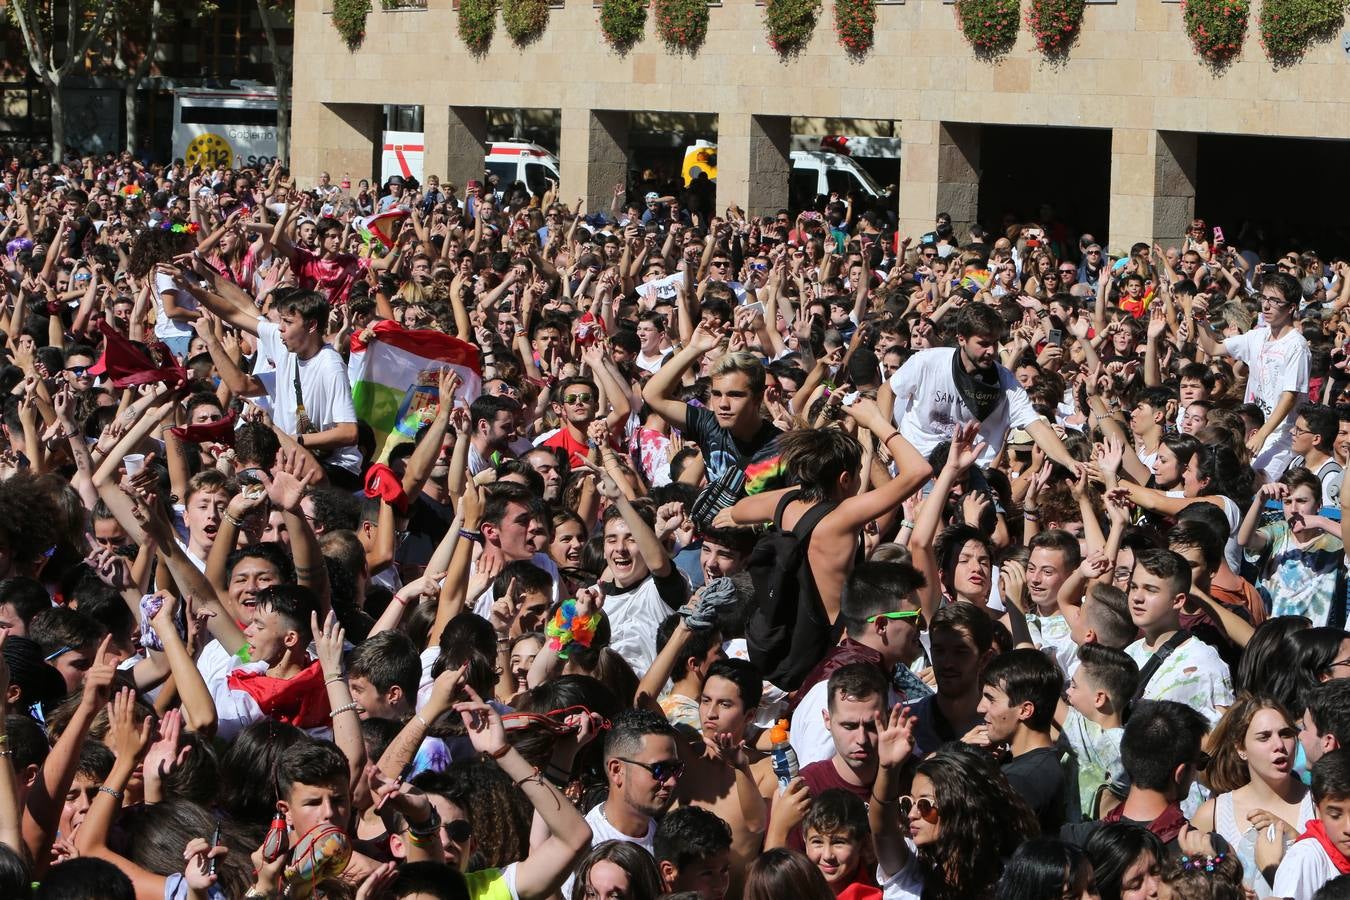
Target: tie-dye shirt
(1300, 580)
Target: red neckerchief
(301, 701)
(1318, 832)
(1167, 826)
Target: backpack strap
(1157, 659)
(782, 507)
(810, 519)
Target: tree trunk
(58, 121)
(283, 115)
(131, 96)
(281, 74)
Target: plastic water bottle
(785, 764)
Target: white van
(822, 172)
(513, 161)
(813, 172)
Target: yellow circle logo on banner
(209, 150)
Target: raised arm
(660, 390)
(960, 457)
(428, 449)
(344, 713)
(543, 871)
(286, 488)
(895, 742)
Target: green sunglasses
(915, 614)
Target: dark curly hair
(498, 812)
(29, 521)
(983, 820)
(157, 245)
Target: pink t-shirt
(334, 277)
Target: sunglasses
(1068, 271)
(78, 371)
(720, 263)
(459, 830)
(928, 810)
(577, 398)
(914, 614)
(661, 771)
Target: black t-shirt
(427, 524)
(1038, 777)
(722, 451)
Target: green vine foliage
(477, 23)
(623, 22)
(682, 24)
(855, 23)
(525, 20)
(349, 18)
(1290, 27)
(989, 25)
(790, 23)
(1217, 28)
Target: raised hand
(964, 450)
(705, 337)
(286, 486)
(198, 871)
(99, 678)
(483, 724)
(867, 414)
(724, 747)
(112, 568)
(895, 736)
(328, 643)
(127, 738)
(1095, 566)
(165, 754)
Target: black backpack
(787, 631)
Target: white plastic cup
(133, 462)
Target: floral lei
(176, 228)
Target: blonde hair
(746, 363)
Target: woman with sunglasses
(949, 836)
(1251, 772)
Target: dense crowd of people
(691, 555)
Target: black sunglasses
(459, 830)
(78, 371)
(661, 771)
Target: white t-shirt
(323, 384)
(1194, 674)
(907, 884)
(634, 616)
(1303, 871)
(602, 831)
(1275, 367)
(929, 409)
(653, 363)
(166, 328)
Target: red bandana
(1318, 832)
(301, 701)
(1167, 826)
(221, 431)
